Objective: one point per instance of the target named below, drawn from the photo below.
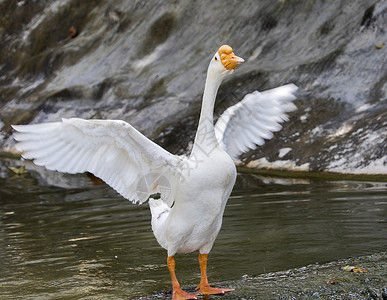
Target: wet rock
(317, 281)
(325, 281)
(145, 62)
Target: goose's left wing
(248, 123)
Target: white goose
(193, 189)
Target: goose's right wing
(246, 124)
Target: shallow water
(85, 241)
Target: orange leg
(203, 287)
(178, 293)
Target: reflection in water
(86, 241)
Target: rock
(145, 63)
(316, 281)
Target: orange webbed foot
(203, 287)
(207, 290)
(179, 294)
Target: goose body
(196, 217)
(193, 189)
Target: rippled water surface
(64, 238)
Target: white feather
(112, 150)
(245, 124)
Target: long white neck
(205, 140)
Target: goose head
(224, 61)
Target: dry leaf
(354, 269)
(19, 171)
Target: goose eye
(216, 58)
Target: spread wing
(248, 123)
(112, 150)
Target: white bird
(193, 189)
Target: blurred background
(145, 62)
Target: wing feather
(112, 150)
(246, 124)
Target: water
(87, 242)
